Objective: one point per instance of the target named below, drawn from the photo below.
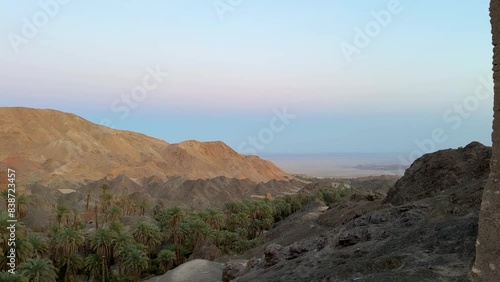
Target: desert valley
(116, 205)
(250, 141)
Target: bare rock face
(232, 270)
(440, 171)
(487, 264)
(206, 249)
(429, 237)
(273, 254)
(55, 147)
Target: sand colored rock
(52, 147)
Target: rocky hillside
(55, 148)
(175, 191)
(424, 230)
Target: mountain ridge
(52, 146)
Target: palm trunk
(67, 270)
(103, 269)
(487, 264)
(96, 218)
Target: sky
(263, 76)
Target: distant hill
(57, 149)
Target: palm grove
(159, 240)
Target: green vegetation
(107, 250)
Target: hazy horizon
(262, 77)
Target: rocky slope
(58, 149)
(173, 191)
(425, 230)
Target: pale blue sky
(226, 75)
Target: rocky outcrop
(207, 250)
(429, 237)
(487, 264)
(192, 271)
(442, 170)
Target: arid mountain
(424, 230)
(60, 149)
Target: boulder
(273, 254)
(206, 249)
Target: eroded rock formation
(487, 264)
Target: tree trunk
(103, 269)
(67, 270)
(96, 217)
(487, 264)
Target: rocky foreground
(424, 230)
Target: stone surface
(206, 249)
(232, 270)
(487, 264)
(430, 237)
(197, 270)
(273, 254)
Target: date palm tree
(115, 212)
(165, 259)
(214, 218)
(88, 197)
(121, 242)
(24, 250)
(102, 242)
(105, 203)
(116, 227)
(8, 277)
(67, 242)
(61, 212)
(22, 206)
(135, 261)
(76, 217)
(40, 246)
(198, 230)
(38, 270)
(178, 234)
(4, 232)
(5, 196)
(93, 264)
(147, 234)
(143, 205)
